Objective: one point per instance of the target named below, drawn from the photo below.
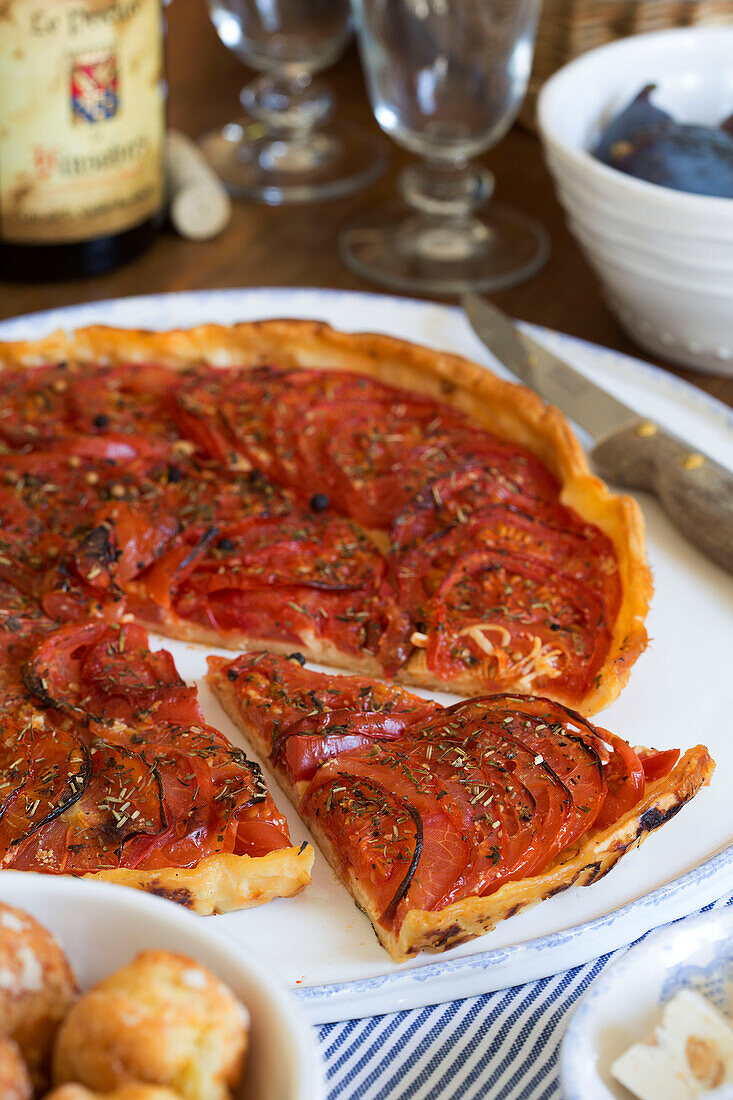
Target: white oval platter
(680, 693)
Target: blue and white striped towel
(500, 1046)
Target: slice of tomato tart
(108, 770)
(442, 821)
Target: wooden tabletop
(296, 245)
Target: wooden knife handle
(695, 490)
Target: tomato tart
(442, 821)
(108, 770)
(379, 506)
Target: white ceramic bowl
(664, 257)
(625, 1002)
(102, 927)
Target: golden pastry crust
(511, 411)
(161, 1020)
(15, 1081)
(37, 986)
(223, 882)
(589, 860)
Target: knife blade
(632, 450)
(555, 381)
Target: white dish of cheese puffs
(111, 994)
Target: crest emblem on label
(95, 93)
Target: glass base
(325, 163)
(406, 251)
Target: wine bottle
(82, 128)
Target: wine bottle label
(82, 115)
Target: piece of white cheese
(688, 1055)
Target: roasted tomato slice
(500, 786)
(518, 623)
(658, 764)
(577, 551)
(120, 677)
(106, 671)
(369, 454)
(215, 798)
(35, 404)
(64, 488)
(506, 476)
(390, 834)
(625, 778)
(121, 802)
(293, 550)
(223, 412)
(124, 400)
(62, 401)
(329, 554)
(287, 580)
(565, 743)
(125, 540)
(306, 718)
(45, 771)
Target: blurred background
(297, 245)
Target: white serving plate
(103, 927)
(679, 694)
(625, 1002)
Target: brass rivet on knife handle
(693, 461)
(695, 490)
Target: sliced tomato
(279, 695)
(215, 798)
(286, 580)
(388, 833)
(53, 671)
(502, 475)
(45, 772)
(120, 803)
(124, 399)
(202, 403)
(35, 404)
(256, 837)
(625, 779)
(107, 671)
(481, 794)
(563, 742)
(658, 764)
(579, 552)
(140, 535)
(304, 747)
(517, 623)
(299, 407)
(119, 677)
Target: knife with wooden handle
(631, 450)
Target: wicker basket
(568, 28)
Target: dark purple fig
(641, 114)
(697, 159)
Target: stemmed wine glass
(446, 79)
(289, 150)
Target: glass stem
(444, 198)
(447, 191)
(288, 106)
